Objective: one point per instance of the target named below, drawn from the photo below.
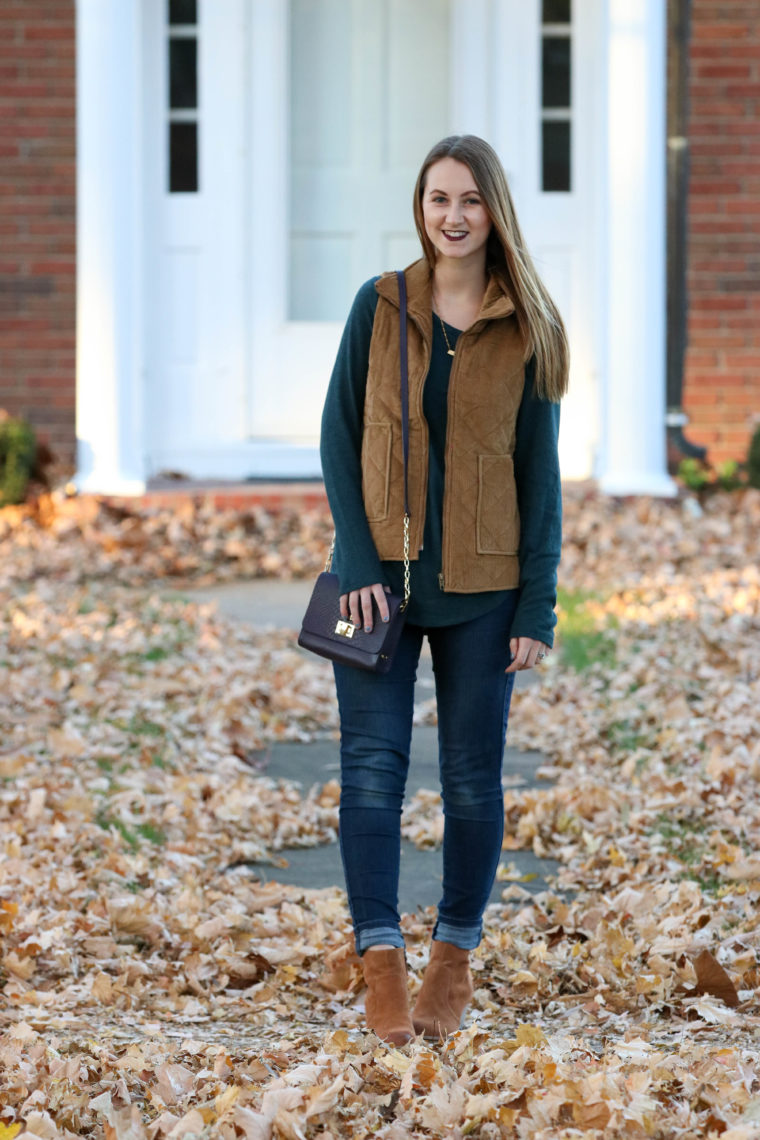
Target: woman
(488, 364)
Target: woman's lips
(454, 237)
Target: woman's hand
(358, 605)
(525, 653)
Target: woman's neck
(458, 291)
(459, 282)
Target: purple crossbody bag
(323, 630)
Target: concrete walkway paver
(270, 603)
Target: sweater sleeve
(539, 497)
(355, 560)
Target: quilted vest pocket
(376, 470)
(498, 519)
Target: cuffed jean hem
(465, 937)
(378, 936)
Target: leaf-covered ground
(150, 986)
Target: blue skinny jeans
(473, 695)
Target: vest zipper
(427, 347)
(445, 561)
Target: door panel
(369, 95)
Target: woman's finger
(358, 605)
(382, 605)
(514, 664)
(524, 652)
(366, 596)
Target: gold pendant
(451, 352)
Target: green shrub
(701, 477)
(18, 455)
(728, 475)
(694, 473)
(753, 459)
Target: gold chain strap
(407, 581)
(407, 586)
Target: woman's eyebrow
(466, 194)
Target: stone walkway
(268, 603)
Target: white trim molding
(250, 459)
(633, 440)
(109, 413)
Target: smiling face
(456, 220)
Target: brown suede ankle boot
(387, 1003)
(445, 993)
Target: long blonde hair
(507, 258)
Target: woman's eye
(468, 201)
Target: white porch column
(109, 243)
(632, 459)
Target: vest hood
(419, 290)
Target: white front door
(311, 118)
(362, 89)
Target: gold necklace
(443, 328)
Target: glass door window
(182, 44)
(556, 95)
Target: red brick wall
(722, 389)
(37, 217)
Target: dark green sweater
(536, 474)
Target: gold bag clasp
(345, 628)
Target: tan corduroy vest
(481, 524)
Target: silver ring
(541, 656)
